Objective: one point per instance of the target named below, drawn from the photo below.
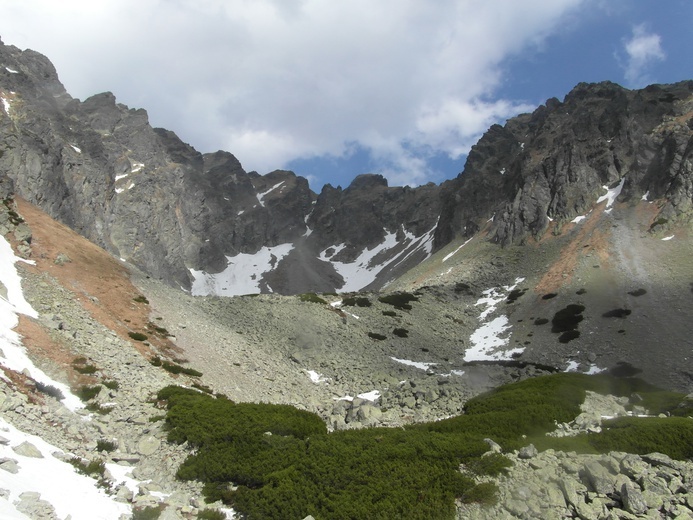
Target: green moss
(376, 336)
(141, 299)
(138, 336)
(111, 384)
(87, 392)
(108, 446)
(401, 333)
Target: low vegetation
(137, 336)
(312, 298)
(399, 300)
(358, 301)
(284, 464)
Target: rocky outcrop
(147, 197)
(551, 165)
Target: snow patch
(578, 219)
(490, 338)
(611, 194)
(136, 167)
(75, 148)
(5, 104)
(261, 196)
(668, 238)
(315, 377)
(11, 71)
(71, 494)
(242, 275)
(416, 364)
(123, 176)
(646, 196)
(12, 353)
(363, 270)
(448, 256)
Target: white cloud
(272, 81)
(642, 49)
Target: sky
(332, 89)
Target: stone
(27, 449)
(528, 452)
(632, 498)
(9, 465)
(600, 479)
(148, 445)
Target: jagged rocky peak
(554, 163)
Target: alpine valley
(557, 266)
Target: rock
(27, 449)
(62, 259)
(148, 445)
(9, 465)
(632, 498)
(494, 447)
(527, 452)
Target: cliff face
(147, 197)
(201, 222)
(553, 163)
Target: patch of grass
(392, 314)
(399, 300)
(311, 298)
(85, 369)
(141, 299)
(491, 464)
(97, 408)
(138, 336)
(108, 446)
(376, 336)
(659, 222)
(174, 368)
(203, 388)
(161, 331)
(541, 321)
(485, 493)
(617, 313)
(549, 296)
(638, 292)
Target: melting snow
(71, 494)
(416, 364)
(76, 149)
(362, 271)
(136, 167)
(668, 238)
(578, 219)
(373, 395)
(262, 195)
(488, 339)
(315, 377)
(5, 104)
(11, 71)
(646, 196)
(593, 369)
(12, 353)
(448, 256)
(118, 177)
(242, 275)
(611, 194)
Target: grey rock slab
(26, 449)
(632, 498)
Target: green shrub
(399, 300)
(211, 514)
(485, 493)
(146, 513)
(401, 333)
(111, 384)
(491, 464)
(138, 336)
(87, 392)
(390, 313)
(312, 298)
(108, 446)
(50, 390)
(85, 369)
(376, 336)
(359, 301)
(93, 468)
(141, 299)
(177, 369)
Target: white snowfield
(72, 495)
(12, 353)
(244, 272)
(490, 340)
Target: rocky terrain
(564, 246)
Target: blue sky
(334, 89)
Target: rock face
(147, 197)
(553, 163)
(199, 221)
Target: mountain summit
(199, 221)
